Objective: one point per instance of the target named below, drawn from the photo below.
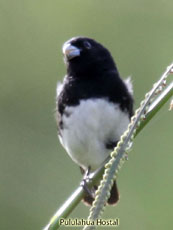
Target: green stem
(77, 195)
(156, 106)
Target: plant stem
(156, 106)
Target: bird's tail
(113, 199)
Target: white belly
(87, 129)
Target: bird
(94, 106)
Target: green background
(36, 175)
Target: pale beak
(70, 51)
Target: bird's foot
(84, 183)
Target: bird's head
(84, 57)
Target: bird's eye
(87, 45)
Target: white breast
(87, 128)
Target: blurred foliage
(36, 175)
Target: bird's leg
(84, 182)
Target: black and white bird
(93, 106)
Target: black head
(86, 57)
